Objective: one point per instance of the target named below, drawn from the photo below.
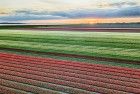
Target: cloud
(3, 13)
(21, 15)
(119, 4)
(132, 11)
(103, 13)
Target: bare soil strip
(76, 56)
(46, 75)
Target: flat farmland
(115, 45)
(21, 74)
(27, 64)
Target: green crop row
(102, 44)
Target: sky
(69, 11)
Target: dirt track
(26, 74)
(77, 56)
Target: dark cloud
(44, 15)
(122, 12)
(33, 12)
(119, 4)
(23, 17)
(3, 13)
(132, 11)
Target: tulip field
(22, 73)
(28, 74)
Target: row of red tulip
(61, 82)
(77, 64)
(72, 79)
(41, 84)
(81, 70)
(50, 72)
(96, 77)
(68, 71)
(25, 87)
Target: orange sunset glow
(86, 21)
